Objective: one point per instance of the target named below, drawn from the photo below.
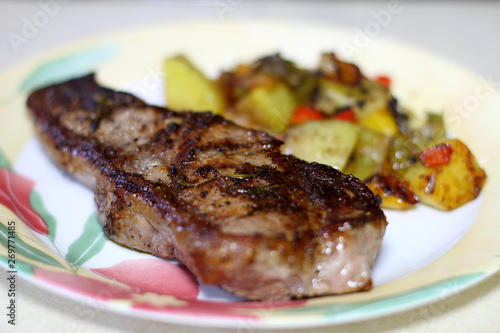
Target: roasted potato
(270, 107)
(448, 181)
(393, 192)
(188, 89)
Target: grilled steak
(219, 197)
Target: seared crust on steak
(220, 198)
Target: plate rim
(141, 29)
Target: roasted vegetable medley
(335, 115)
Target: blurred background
(463, 31)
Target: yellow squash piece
(187, 89)
(380, 120)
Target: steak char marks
(219, 197)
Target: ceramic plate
(49, 220)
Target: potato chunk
(449, 184)
(271, 107)
(188, 89)
(393, 192)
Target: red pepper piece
(383, 80)
(436, 155)
(346, 115)
(303, 113)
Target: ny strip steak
(220, 198)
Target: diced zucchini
(369, 154)
(433, 128)
(334, 95)
(188, 89)
(403, 151)
(304, 91)
(271, 107)
(328, 142)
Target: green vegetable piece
(36, 202)
(335, 96)
(328, 142)
(434, 128)
(369, 154)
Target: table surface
(466, 33)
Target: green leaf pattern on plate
(26, 250)
(22, 267)
(68, 67)
(90, 242)
(36, 203)
(4, 162)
